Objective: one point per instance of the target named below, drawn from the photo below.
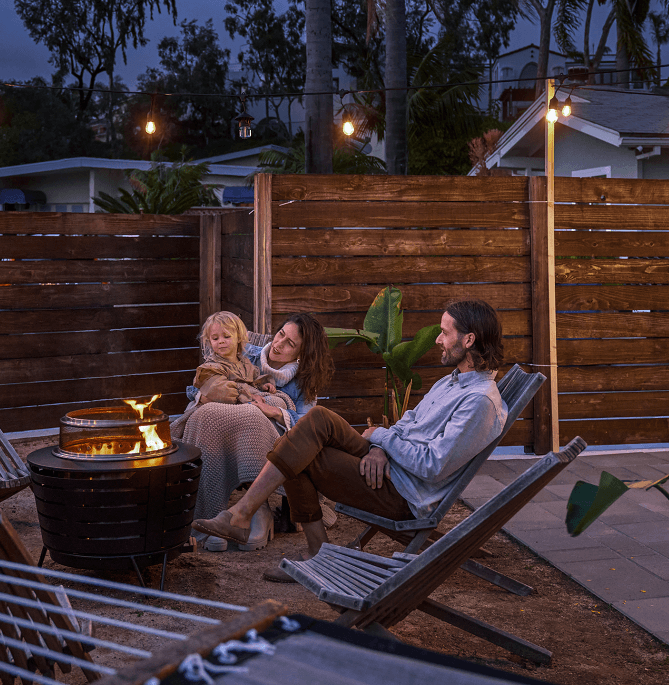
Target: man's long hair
(479, 318)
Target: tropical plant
(587, 501)
(163, 189)
(382, 332)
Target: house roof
(615, 116)
(58, 165)
(531, 46)
(241, 154)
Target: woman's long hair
(316, 366)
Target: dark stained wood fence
(612, 300)
(434, 238)
(103, 307)
(332, 242)
(93, 308)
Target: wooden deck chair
(12, 604)
(14, 474)
(517, 388)
(376, 592)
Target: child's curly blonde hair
(229, 322)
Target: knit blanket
(234, 440)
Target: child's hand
(268, 387)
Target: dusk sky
(21, 58)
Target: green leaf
(587, 502)
(385, 318)
(336, 336)
(412, 350)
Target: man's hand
(368, 432)
(374, 466)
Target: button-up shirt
(429, 445)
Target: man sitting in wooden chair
(418, 456)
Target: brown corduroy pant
(322, 453)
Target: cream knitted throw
(234, 440)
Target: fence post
(210, 265)
(262, 254)
(544, 342)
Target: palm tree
(660, 34)
(629, 16)
(318, 108)
(396, 83)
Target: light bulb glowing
(348, 128)
(552, 116)
(566, 108)
(150, 127)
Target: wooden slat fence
(99, 307)
(337, 240)
(612, 297)
(93, 308)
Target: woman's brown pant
(322, 453)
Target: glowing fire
(109, 448)
(139, 407)
(153, 442)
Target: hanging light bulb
(244, 119)
(150, 127)
(566, 108)
(552, 114)
(347, 125)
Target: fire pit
(116, 493)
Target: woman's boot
(262, 529)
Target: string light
(347, 125)
(244, 119)
(150, 127)
(566, 108)
(552, 114)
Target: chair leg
(363, 538)
(499, 579)
(498, 637)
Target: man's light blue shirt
(427, 448)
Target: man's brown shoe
(220, 527)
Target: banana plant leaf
(337, 336)
(385, 317)
(587, 502)
(403, 356)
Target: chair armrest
(374, 520)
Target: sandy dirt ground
(591, 642)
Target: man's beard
(455, 355)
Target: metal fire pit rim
(128, 456)
(70, 419)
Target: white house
(69, 185)
(613, 133)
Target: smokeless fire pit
(116, 493)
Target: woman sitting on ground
(234, 438)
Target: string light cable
(265, 96)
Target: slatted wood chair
(14, 474)
(375, 592)
(15, 602)
(517, 388)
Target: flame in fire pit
(139, 407)
(111, 448)
(153, 442)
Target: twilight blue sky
(21, 58)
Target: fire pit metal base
(117, 515)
